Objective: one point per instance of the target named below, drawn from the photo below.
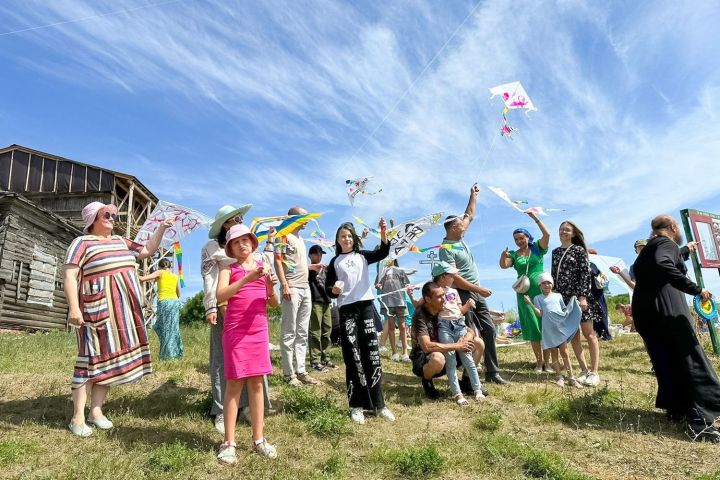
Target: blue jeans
(450, 331)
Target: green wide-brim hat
(225, 213)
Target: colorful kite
(514, 97)
(186, 222)
(358, 186)
(318, 237)
(178, 261)
(283, 224)
(372, 230)
(514, 204)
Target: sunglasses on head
(110, 216)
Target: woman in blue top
(528, 260)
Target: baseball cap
(441, 268)
(316, 249)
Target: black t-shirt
(317, 287)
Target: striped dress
(112, 343)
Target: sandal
(460, 400)
(226, 454)
(264, 449)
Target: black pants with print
(358, 339)
(484, 323)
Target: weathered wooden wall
(24, 227)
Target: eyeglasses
(110, 216)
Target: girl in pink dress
(248, 289)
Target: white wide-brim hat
(225, 213)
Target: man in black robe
(688, 388)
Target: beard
(678, 237)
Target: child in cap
(451, 328)
(559, 325)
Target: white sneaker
(592, 380)
(574, 383)
(357, 416)
(583, 375)
(395, 357)
(382, 349)
(386, 414)
(220, 423)
(405, 358)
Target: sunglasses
(237, 219)
(110, 216)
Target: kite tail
(178, 261)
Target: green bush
(193, 310)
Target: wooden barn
(41, 199)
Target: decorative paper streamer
(318, 237)
(283, 224)
(372, 230)
(178, 261)
(447, 246)
(358, 186)
(514, 96)
(186, 222)
(514, 204)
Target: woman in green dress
(532, 253)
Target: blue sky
(277, 103)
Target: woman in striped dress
(105, 303)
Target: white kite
(403, 237)
(514, 96)
(514, 203)
(186, 221)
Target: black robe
(688, 387)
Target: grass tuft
(332, 468)
(320, 414)
(413, 462)
(488, 421)
(13, 451)
(174, 457)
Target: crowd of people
(451, 326)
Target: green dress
(530, 323)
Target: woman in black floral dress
(571, 273)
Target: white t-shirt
(451, 308)
(352, 270)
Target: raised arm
(545, 239)
(154, 243)
(470, 209)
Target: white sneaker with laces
(395, 357)
(583, 375)
(386, 414)
(357, 416)
(592, 380)
(405, 358)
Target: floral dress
(571, 274)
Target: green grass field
(531, 429)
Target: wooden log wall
(23, 228)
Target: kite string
(412, 85)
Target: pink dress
(245, 331)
